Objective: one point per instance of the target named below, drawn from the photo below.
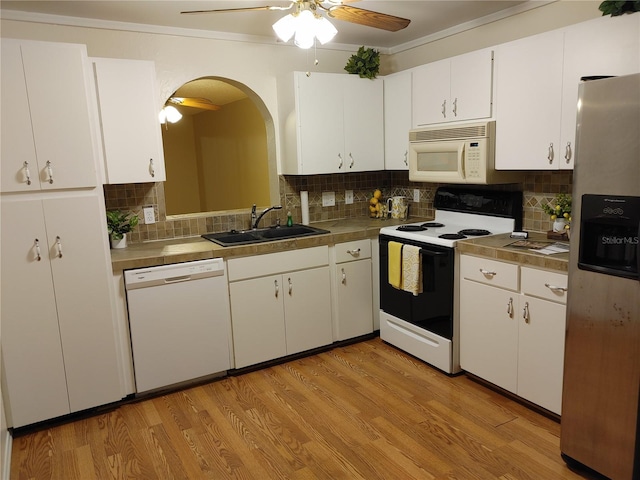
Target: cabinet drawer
(490, 272)
(544, 284)
(356, 250)
(273, 263)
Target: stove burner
(474, 232)
(411, 228)
(433, 224)
(452, 236)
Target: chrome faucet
(253, 216)
(254, 223)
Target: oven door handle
(432, 253)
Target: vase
(559, 224)
(120, 242)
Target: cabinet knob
(354, 253)
(487, 273)
(290, 285)
(567, 152)
(352, 160)
(49, 170)
(37, 245)
(444, 108)
(276, 288)
(550, 155)
(27, 173)
(59, 247)
(152, 169)
(555, 288)
(510, 307)
(344, 277)
(406, 161)
(341, 161)
(455, 107)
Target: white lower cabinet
(280, 304)
(512, 327)
(58, 347)
(352, 281)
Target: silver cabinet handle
(59, 247)
(49, 170)
(344, 277)
(567, 152)
(290, 285)
(487, 273)
(510, 308)
(152, 169)
(352, 160)
(406, 160)
(276, 287)
(27, 173)
(555, 288)
(341, 161)
(355, 252)
(455, 107)
(37, 245)
(444, 108)
(550, 154)
(525, 313)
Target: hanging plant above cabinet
(365, 63)
(615, 8)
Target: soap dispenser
(289, 220)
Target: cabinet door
(320, 123)
(528, 100)
(489, 333)
(363, 124)
(18, 164)
(603, 46)
(354, 298)
(81, 267)
(257, 313)
(129, 116)
(471, 86)
(56, 77)
(307, 299)
(430, 93)
(31, 350)
(397, 121)
(541, 352)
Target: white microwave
(463, 153)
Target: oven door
(431, 310)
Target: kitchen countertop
(163, 252)
(497, 247)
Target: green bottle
(289, 220)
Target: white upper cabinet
(129, 106)
(455, 89)
(397, 120)
(47, 140)
(330, 123)
(537, 88)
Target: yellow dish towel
(411, 269)
(395, 264)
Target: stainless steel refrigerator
(599, 424)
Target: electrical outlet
(149, 215)
(328, 199)
(416, 195)
(348, 197)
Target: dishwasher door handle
(181, 278)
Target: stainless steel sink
(247, 237)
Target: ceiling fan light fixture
(285, 27)
(304, 25)
(169, 114)
(325, 31)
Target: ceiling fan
(334, 9)
(202, 103)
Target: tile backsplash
(539, 188)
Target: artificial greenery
(119, 223)
(561, 207)
(615, 8)
(365, 63)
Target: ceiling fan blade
(241, 9)
(202, 103)
(368, 18)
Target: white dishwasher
(180, 322)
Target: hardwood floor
(364, 411)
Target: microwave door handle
(461, 157)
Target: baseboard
(7, 441)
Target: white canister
(304, 206)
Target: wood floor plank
(362, 411)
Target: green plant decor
(615, 8)
(365, 63)
(119, 223)
(561, 207)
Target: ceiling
(429, 18)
